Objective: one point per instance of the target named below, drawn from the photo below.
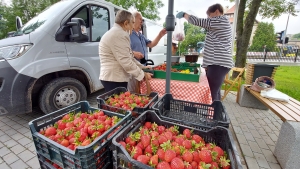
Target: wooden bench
(287, 149)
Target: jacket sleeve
(123, 54)
(202, 22)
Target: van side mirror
(78, 30)
(18, 23)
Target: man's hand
(138, 55)
(148, 76)
(148, 67)
(162, 32)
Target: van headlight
(15, 51)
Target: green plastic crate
(186, 65)
(178, 76)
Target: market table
(189, 91)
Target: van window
(83, 14)
(100, 20)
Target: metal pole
(234, 24)
(284, 35)
(170, 26)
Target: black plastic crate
(192, 114)
(221, 136)
(94, 156)
(135, 112)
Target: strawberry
(161, 129)
(168, 135)
(197, 138)
(196, 156)
(219, 151)
(205, 156)
(214, 165)
(130, 141)
(123, 144)
(64, 142)
(187, 156)
(50, 131)
(194, 164)
(154, 134)
(177, 163)
(161, 154)
(224, 163)
(155, 142)
(187, 165)
(140, 145)
(203, 165)
(187, 133)
(162, 139)
(143, 159)
(187, 144)
(153, 161)
(136, 151)
(148, 125)
(86, 142)
(169, 155)
(163, 165)
(145, 140)
(150, 149)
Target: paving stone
(267, 120)
(252, 163)
(26, 155)
(273, 127)
(261, 160)
(5, 119)
(2, 124)
(1, 145)
(34, 163)
(10, 132)
(5, 127)
(277, 124)
(4, 166)
(241, 138)
(4, 138)
(23, 130)
(17, 136)
(29, 145)
(17, 149)
(268, 140)
(1, 133)
(19, 165)
(261, 131)
(249, 136)
(274, 166)
(32, 149)
(261, 122)
(261, 143)
(10, 143)
(244, 128)
(4, 151)
(277, 133)
(11, 123)
(23, 141)
(269, 156)
(267, 129)
(28, 135)
(23, 122)
(234, 122)
(250, 126)
(10, 158)
(255, 134)
(17, 126)
(274, 137)
(246, 150)
(237, 130)
(254, 147)
(256, 124)
(246, 119)
(272, 148)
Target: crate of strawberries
(193, 114)
(120, 100)
(149, 142)
(77, 136)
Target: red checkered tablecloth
(189, 91)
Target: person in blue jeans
(139, 45)
(217, 56)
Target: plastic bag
(275, 95)
(178, 33)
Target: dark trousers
(215, 76)
(108, 86)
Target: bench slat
(288, 108)
(294, 107)
(284, 116)
(296, 102)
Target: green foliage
(264, 35)
(297, 36)
(193, 35)
(148, 8)
(24, 9)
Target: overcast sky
(199, 7)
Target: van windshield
(40, 19)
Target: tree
(245, 20)
(264, 35)
(148, 8)
(193, 35)
(297, 36)
(24, 9)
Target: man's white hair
(135, 13)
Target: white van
(51, 62)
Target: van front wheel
(61, 92)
